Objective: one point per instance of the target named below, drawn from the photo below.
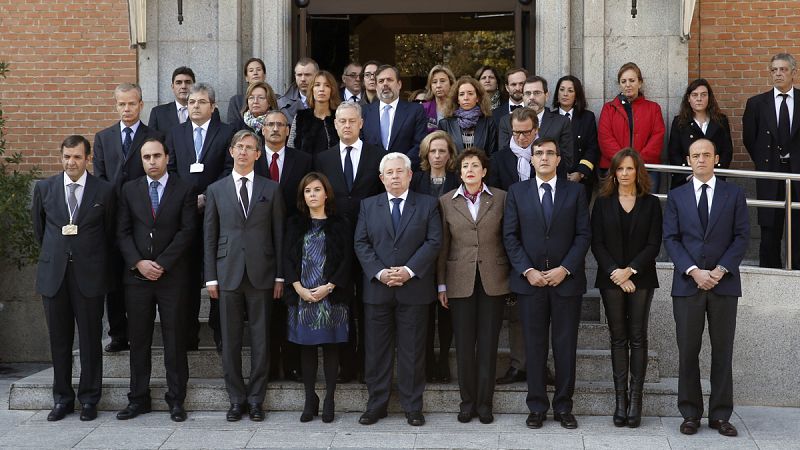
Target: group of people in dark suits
(370, 255)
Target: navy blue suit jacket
(215, 156)
(724, 242)
(410, 126)
(109, 163)
(563, 243)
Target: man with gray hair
(770, 136)
(118, 160)
(198, 150)
(397, 241)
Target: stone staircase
(594, 391)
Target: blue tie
(198, 142)
(128, 142)
(547, 203)
(154, 196)
(385, 119)
(396, 213)
(348, 169)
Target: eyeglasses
(244, 148)
(548, 153)
(369, 75)
(256, 98)
(534, 93)
(520, 133)
(275, 125)
(353, 75)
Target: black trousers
(477, 320)
(628, 317)
(538, 313)
(405, 325)
(690, 319)
(282, 353)
(115, 301)
(438, 318)
(142, 299)
(770, 248)
(351, 353)
(62, 312)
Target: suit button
(395, 249)
(767, 131)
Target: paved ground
(759, 428)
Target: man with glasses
(198, 150)
(243, 223)
(352, 84)
(547, 261)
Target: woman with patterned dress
(317, 265)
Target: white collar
(237, 176)
(394, 104)
(776, 92)
(162, 180)
(204, 126)
(712, 183)
(404, 195)
(540, 182)
(81, 181)
(133, 127)
(460, 190)
(356, 145)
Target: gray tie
(183, 114)
(72, 202)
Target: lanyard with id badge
(71, 229)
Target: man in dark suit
(551, 124)
(117, 160)
(294, 99)
(165, 117)
(287, 167)
(199, 154)
(397, 241)
(706, 231)
(515, 82)
(244, 221)
(156, 225)
(352, 167)
(391, 123)
(352, 90)
(548, 276)
(73, 221)
(770, 135)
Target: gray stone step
(592, 365)
(590, 398)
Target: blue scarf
(469, 118)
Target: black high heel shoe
(311, 409)
(328, 409)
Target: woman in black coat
(626, 238)
(468, 117)
(318, 250)
(699, 117)
(570, 100)
(313, 130)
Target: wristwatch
(633, 271)
(722, 269)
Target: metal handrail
(786, 205)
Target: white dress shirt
(281, 158)
(133, 127)
(552, 184)
(474, 208)
(237, 181)
(203, 133)
(403, 196)
(185, 108)
(698, 190)
(78, 193)
(789, 103)
(162, 183)
(355, 154)
(349, 95)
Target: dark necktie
(396, 213)
(568, 116)
(126, 144)
(547, 203)
(784, 129)
(702, 207)
(72, 202)
(154, 197)
(244, 196)
(274, 173)
(511, 108)
(348, 169)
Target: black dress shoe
(690, 425)
(486, 418)
(371, 417)
(724, 427)
(256, 413)
(59, 411)
(88, 412)
(415, 419)
(133, 410)
(294, 375)
(235, 412)
(117, 346)
(465, 417)
(177, 413)
(535, 420)
(567, 420)
(513, 375)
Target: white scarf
(523, 160)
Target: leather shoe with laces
(59, 411)
(535, 420)
(133, 410)
(513, 375)
(177, 413)
(415, 418)
(567, 420)
(235, 412)
(371, 417)
(690, 425)
(724, 427)
(256, 413)
(88, 412)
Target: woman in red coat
(630, 120)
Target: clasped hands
(150, 269)
(706, 279)
(621, 277)
(394, 276)
(313, 295)
(552, 277)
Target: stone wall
(23, 331)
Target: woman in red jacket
(630, 120)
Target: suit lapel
(288, 163)
(398, 123)
(559, 199)
(57, 186)
(143, 205)
(169, 189)
(258, 193)
(458, 140)
(772, 118)
(717, 204)
(138, 138)
(637, 206)
(233, 199)
(408, 210)
(487, 202)
(533, 194)
(213, 129)
(614, 209)
(544, 126)
(188, 141)
(796, 123)
(87, 201)
(460, 204)
(386, 212)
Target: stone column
(272, 40)
(552, 40)
(593, 76)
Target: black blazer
(215, 155)
(164, 117)
(311, 135)
(498, 114)
(165, 238)
(338, 257)
(681, 137)
(643, 241)
(586, 151)
(296, 165)
(485, 134)
(409, 127)
(366, 182)
(503, 169)
(90, 248)
(421, 182)
(109, 164)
